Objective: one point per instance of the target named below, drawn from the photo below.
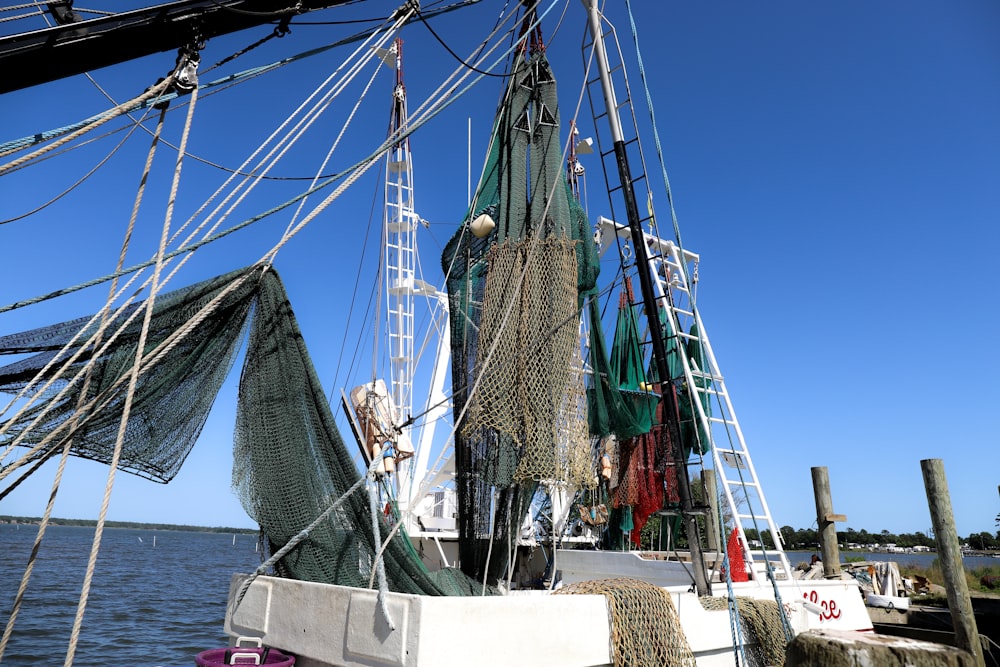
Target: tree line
(128, 524)
(808, 538)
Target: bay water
(149, 604)
(158, 596)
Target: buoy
(482, 226)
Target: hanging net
(515, 296)
(290, 462)
(172, 399)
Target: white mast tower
(402, 289)
(400, 222)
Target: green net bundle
(515, 297)
(290, 462)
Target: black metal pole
(667, 397)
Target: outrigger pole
(667, 395)
(74, 45)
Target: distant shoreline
(34, 520)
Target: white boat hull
(327, 625)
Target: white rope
(10, 468)
(281, 145)
(133, 381)
(46, 516)
(378, 567)
(109, 115)
(268, 258)
(326, 160)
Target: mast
(667, 397)
(400, 248)
(400, 223)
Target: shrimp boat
(595, 504)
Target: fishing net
(618, 400)
(515, 296)
(763, 628)
(290, 463)
(172, 399)
(530, 387)
(645, 628)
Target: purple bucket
(243, 655)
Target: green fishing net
(290, 462)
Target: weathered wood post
(950, 558)
(825, 519)
(711, 491)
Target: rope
(378, 567)
(119, 272)
(22, 588)
(454, 94)
(232, 79)
(266, 260)
(95, 340)
(343, 129)
(18, 17)
(25, 5)
(78, 182)
(130, 393)
(119, 110)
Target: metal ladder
(674, 271)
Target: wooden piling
(950, 558)
(825, 519)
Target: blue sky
(835, 165)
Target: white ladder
(674, 271)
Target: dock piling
(825, 519)
(950, 559)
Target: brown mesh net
(645, 628)
(763, 629)
(528, 388)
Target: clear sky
(836, 165)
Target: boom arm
(31, 58)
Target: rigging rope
(93, 123)
(16, 145)
(78, 182)
(130, 393)
(417, 121)
(43, 524)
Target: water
(148, 606)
